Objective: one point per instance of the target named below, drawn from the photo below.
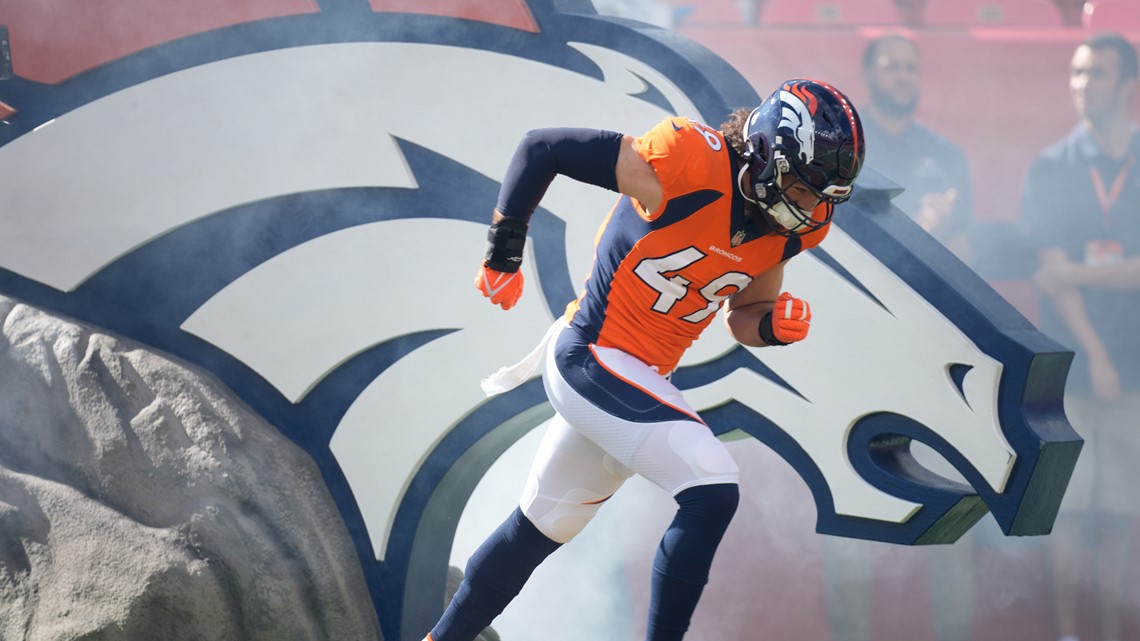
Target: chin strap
(740, 176)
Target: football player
(707, 218)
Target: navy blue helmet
(806, 131)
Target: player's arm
(760, 315)
(598, 157)
(603, 158)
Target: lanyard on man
(1108, 198)
(1106, 251)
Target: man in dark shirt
(933, 170)
(1081, 210)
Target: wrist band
(505, 242)
(766, 333)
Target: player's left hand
(503, 288)
(788, 322)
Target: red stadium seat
(829, 12)
(997, 13)
(703, 12)
(1122, 16)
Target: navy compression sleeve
(586, 155)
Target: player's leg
(570, 479)
(687, 461)
(642, 420)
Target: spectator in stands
(1081, 208)
(933, 170)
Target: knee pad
(687, 548)
(711, 504)
(561, 519)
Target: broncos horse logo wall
(293, 195)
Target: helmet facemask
(770, 194)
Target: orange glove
(788, 321)
(503, 288)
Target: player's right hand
(788, 322)
(503, 288)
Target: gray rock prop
(140, 499)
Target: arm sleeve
(586, 155)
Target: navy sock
(681, 567)
(495, 574)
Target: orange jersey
(659, 277)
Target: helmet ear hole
(759, 156)
(758, 147)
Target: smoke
(582, 591)
(774, 577)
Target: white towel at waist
(510, 377)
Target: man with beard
(1079, 208)
(933, 170)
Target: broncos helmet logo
(796, 117)
(308, 239)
